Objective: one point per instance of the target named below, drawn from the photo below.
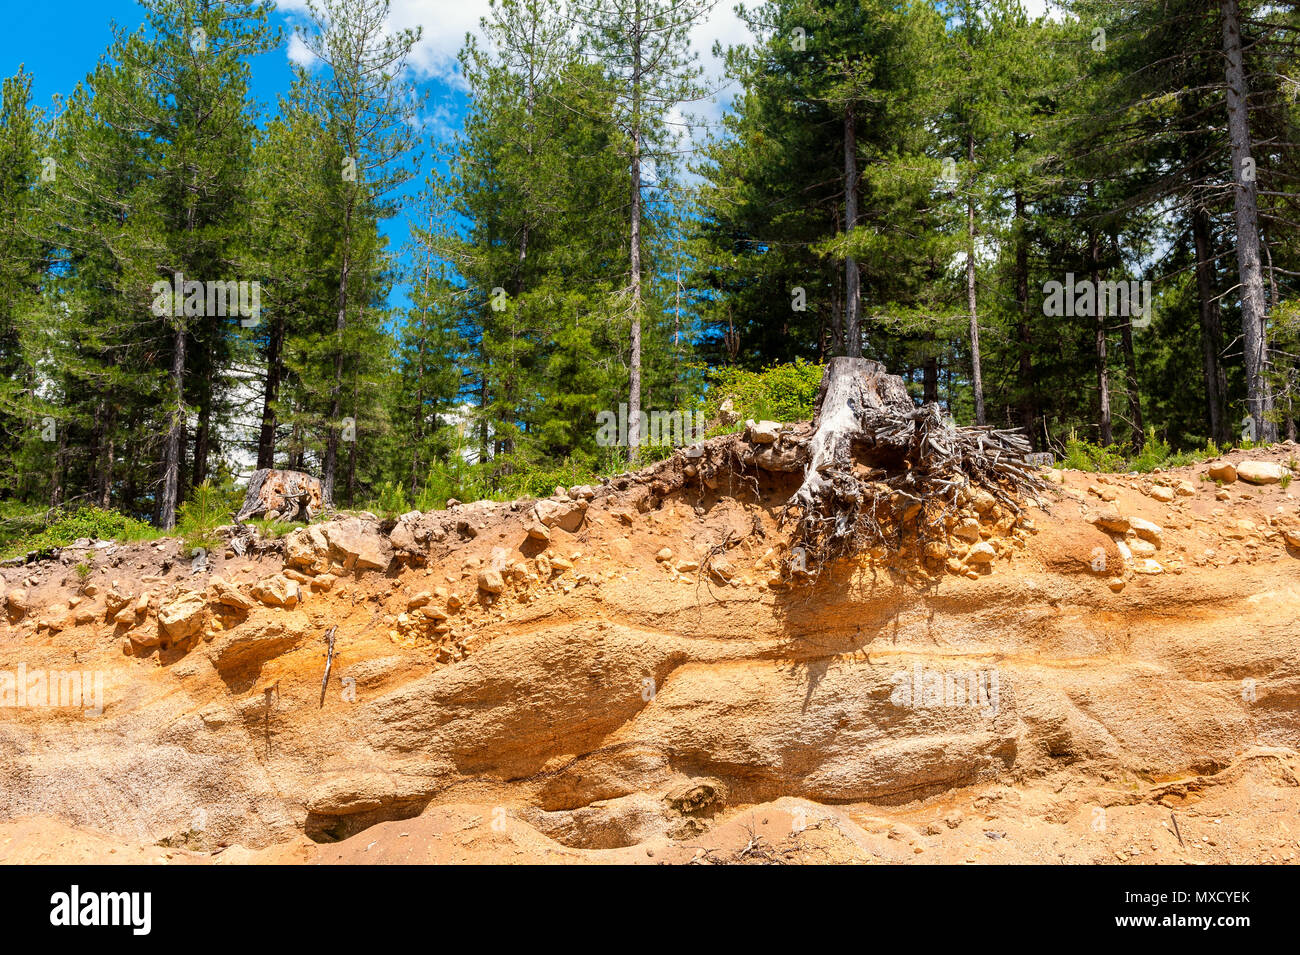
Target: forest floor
(619, 674)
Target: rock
(278, 591)
(182, 615)
(982, 500)
(1116, 584)
(968, 530)
(583, 491)
(306, 548)
(254, 644)
(1185, 488)
(419, 600)
(16, 603)
(722, 569)
(54, 619)
(567, 514)
(1162, 494)
(1105, 493)
(981, 553)
(1110, 519)
(1146, 530)
(114, 601)
(1221, 471)
(490, 581)
(698, 795)
(1260, 472)
(1142, 548)
(225, 594)
(687, 566)
(936, 550)
(144, 639)
(762, 432)
(359, 543)
(628, 517)
(537, 530)
(664, 554)
(1147, 566)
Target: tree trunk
(1107, 434)
(202, 437)
(1028, 406)
(1216, 383)
(330, 464)
(930, 376)
(270, 393)
(1254, 340)
(976, 373)
(175, 444)
(634, 371)
(852, 278)
(104, 488)
(850, 389)
(1131, 386)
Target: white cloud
(298, 52)
(444, 24)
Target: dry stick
(1176, 832)
(329, 662)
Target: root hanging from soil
(878, 466)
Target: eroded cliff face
(620, 674)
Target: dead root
(903, 471)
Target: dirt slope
(1117, 680)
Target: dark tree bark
(1105, 428)
(1027, 404)
(852, 278)
(175, 442)
(270, 394)
(1246, 210)
(976, 372)
(1216, 383)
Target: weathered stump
(282, 495)
(875, 457)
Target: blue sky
(60, 43)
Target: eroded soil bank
(620, 674)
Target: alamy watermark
(924, 688)
(190, 297)
(53, 688)
(1089, 299)
(657, 429)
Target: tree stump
(875, 457)
(282, 495)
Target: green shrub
(782, 393)
(1081, 455)
(1155, 453)
(197, 519)
(391, 501)
(91, 522)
